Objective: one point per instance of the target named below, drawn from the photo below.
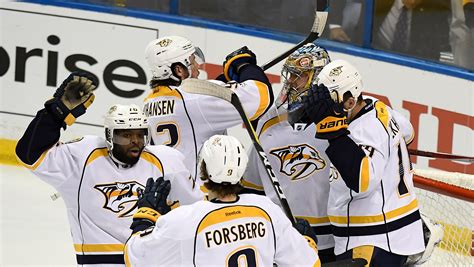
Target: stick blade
(203, 87)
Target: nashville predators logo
(335, 71)
(299, 162)
(165, 42)
(121, 198)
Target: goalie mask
(225, 158)
(300, 71)
(118, 119)
(161, 55)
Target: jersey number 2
(173, 133)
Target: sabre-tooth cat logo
(121, 197)
(299, 161)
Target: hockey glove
(72, 98)
(305, 230)
(329, 116)
(236, 60)
(151, 204)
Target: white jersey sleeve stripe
(396, 213)
(264, 99)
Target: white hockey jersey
(101, 198)
(300, 164)
(252, 231)
(185, 121)
(384, 213)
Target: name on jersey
(159, 108)
(235, 233)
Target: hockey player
(372, 206)
(184, 121)
(228, 230)
(99, 179)
(297, 158)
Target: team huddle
(166, 186)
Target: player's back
(184, 121)
(251, 231)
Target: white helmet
(123, 117)
(339, 77)
(162, 53)
(225, 158)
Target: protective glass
(199, 56)
(127, 137)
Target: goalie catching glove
(236, 60)
(319, 108)
(72, 98)
(151, 204)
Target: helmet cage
(308, 60)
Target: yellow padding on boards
(7, 152)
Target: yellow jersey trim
(376, 218)
(264, 99)
(101, 152)
(36, 164)
(315, 220)
(248, 184)
(99, 247)
(153, 160)
(231, 213)
(126, 257)
(364, 175)
(163, 91)
(382, 114)
(275, 120)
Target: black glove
(237, 59)
(305, 229)
(322, 110)
(151, 204)
(72, 98)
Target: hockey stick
(439, 155)
(320, 18)
(202, 87)
(357, 262)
